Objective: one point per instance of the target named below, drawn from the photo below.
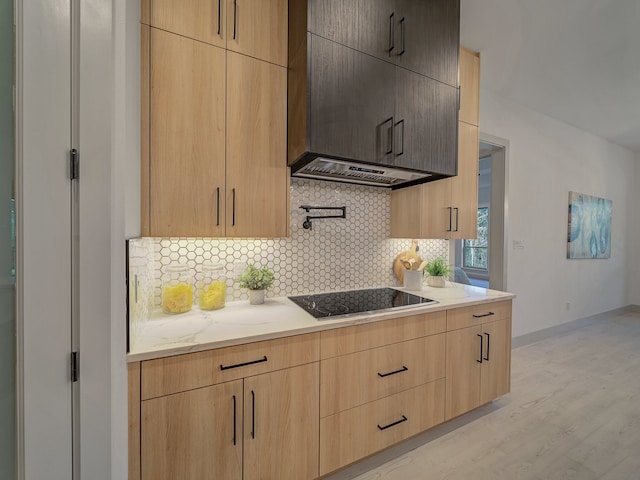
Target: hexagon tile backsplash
(336, 254)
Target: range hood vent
(353, 172)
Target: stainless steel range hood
(354, 172)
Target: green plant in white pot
(257, 280)
(438, 271)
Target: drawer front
(478, 314)
(345, 340)
(353, 434)
(351, 380)
(164, 376)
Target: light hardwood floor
(573, 413)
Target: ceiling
(574, 60)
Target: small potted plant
(257, 281)
(438, 271)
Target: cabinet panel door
(436, 213)
(363, 25)
(257, 173)
(187, 132)
(202, 20)
(464, 186)
(463, 371)
(258, 28)
(428, 38)
(194, 435)
(496, 371)
(405, 212)
(352, 104)
(426, 124)
(281, 424)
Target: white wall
(634, 251)
(547, 159)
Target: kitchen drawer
(345, 340)
(478, 314)
(168, 375)
(353, 434)
(351, 380)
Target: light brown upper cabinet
(447, 208)
(213, 130)
(469, 87)
(257, 28)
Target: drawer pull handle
(484, 315)
(403, 369)
(403, 419)
(227, 367)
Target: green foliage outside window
(475, 252)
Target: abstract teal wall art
(589, 229)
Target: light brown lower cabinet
(478, 359)
(266, 424)
(358, 432)
(296, 408)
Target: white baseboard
(545, 333)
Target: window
(475, 252)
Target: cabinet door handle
(233, 207)
(236, 365)
(402, 35)
(392, 33)
(400, 370)
(403, 419)
(481, 357)
(218, 206)
(235, 17)
(253, 414)
(450, 219)
(235, 415)
(389, 149)
(484, 315)
(219, 18)
(457, 217)
(488, 346)
(401, 123)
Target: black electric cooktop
(326, 306)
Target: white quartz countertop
(163, 335)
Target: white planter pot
(434, 281)
(256, 297)
(413, 279)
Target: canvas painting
(589, 232)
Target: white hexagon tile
(336, 254)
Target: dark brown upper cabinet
(374, 82)
(419, 35)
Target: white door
(43, 124)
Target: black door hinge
(74, 164)
(75, 366)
